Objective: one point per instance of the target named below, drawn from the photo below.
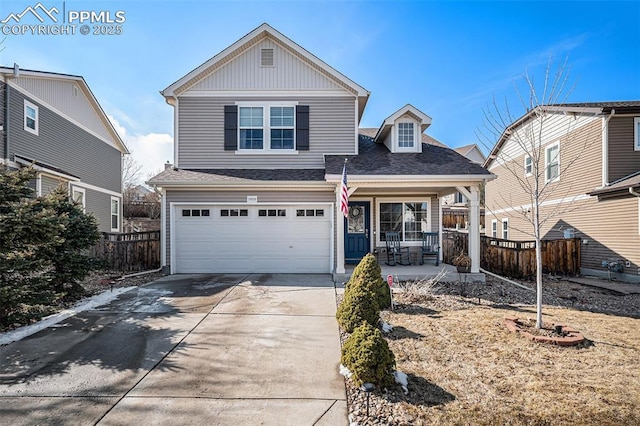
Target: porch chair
(430, 246)
(396, 255)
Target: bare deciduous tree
(523, 153)
(130, 171)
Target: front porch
(415, 272)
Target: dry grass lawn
(465, 368)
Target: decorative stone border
(573, 337)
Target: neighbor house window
(528, 165)
(78, 196)
(494, 228)
(115, 214)
(552, 166)
(410, 219)
(264, 128)
(636, 133)
(31, 116)
(505, 229)
(405, 135)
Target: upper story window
(405, 135)
(636, 133)
(552, 163)
(528, 165)
(31, 116)
(266, 127)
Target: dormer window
(406, 138)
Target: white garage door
(261, 238)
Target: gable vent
(266, 57)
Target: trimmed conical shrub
(359, 304)
(367, 355)
(369, 274)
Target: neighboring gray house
(53, 122)
(262, 131)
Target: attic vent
(75, 91)
(266, 57)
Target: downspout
(6, 119)
(633, 192)
(605, 149)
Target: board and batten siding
(64, 145)
(623, 158)
(239, 198)
(245, 72)
(67, 97)
(332, 125)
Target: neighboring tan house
(54, 123)
(590, 158)
(262, 131)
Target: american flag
(344, 193)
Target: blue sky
(449, 59)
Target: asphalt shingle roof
(238, 175)
(376, 159)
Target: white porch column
(440, 227)
(339, 234)
(474, 229)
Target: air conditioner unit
(569, 233)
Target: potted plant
(462, 262)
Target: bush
(369, 274)
(367, 355)
(359, 304)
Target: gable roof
(376, 160)
(595, 108)
(424, 119)
(265, 30)
(9, 73)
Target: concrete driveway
(216, 349)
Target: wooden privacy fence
(517, 259)
(129, 252)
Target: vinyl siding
(2, 118)
(201, 133)
(245, 72)
(64, 145)
(61, 95)
(580, 164)
(99, 205)
(623, 159)
(48, 184)
(609, 227)
(239, 197)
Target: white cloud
(150, 150)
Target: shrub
(367, 355)
(369, 274)
(359, 304)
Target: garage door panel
(252, 243)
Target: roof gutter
(605, 148)
(633, 192)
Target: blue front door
(356, 231)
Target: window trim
(546, 162)
(75, 189)
(505, 220)
(266, 127)
(636, 133)
(111, 214)
(529, 166)
(36, 129)
(494, 228)
(380, 201)
(413, 143)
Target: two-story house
(589, 157)
(262, 132)
(54, 123)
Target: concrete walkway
(232, 349)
